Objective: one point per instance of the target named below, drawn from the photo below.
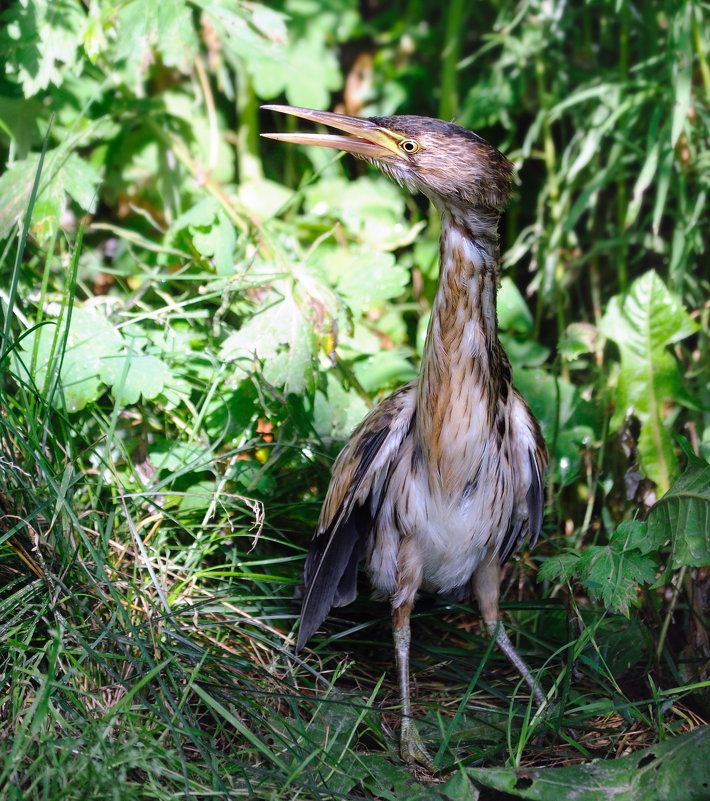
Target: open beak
(364, 138)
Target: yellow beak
(364, 137)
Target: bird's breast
(448, 521)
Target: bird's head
(454, 167)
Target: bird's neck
(463, 364)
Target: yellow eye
(409, 146)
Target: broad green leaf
(674, 769)
(252, 38)
(262, 197)
(309, 55)
(567, 420)
(384, 368)
(682, 516)
(134, 375)
(580, 338)
(280, 338)
(91, 341)
(513, 312)
(642, 324)
(364, 278)
(371, 208)
(175, 455)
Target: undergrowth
(192, 325)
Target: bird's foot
(412, 748)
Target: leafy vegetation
(193, 320)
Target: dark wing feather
(535, 497)
(529, 509)
(330, 574)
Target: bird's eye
(409, 146)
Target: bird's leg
(486, 586)
(411, 745)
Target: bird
(444, 479)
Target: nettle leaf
(643, 323)
(280, 338)
(132, 375)
(610, 573)
(40, 41)
(91, 340)
(682, 516)
(561, 567)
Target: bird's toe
(412, 747)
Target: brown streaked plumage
(443, 480)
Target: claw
(412, 747)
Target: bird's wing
(359, 478)
(530, 455)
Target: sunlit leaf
(134, 375)
(39, 42)
(91, 341)
(280, 339)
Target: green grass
(191, 326)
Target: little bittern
(443, 480)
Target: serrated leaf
(682, 515)
(132, 375)
(39, 42)
(612, 574)
(280, 338)
(655, 773)
(561, 567)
